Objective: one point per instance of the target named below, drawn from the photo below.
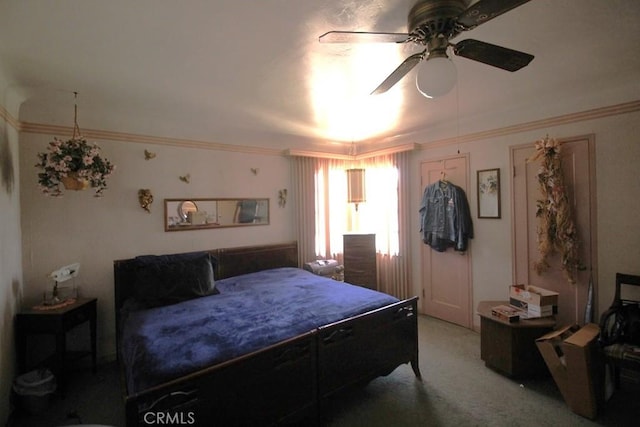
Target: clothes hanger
(443, 178)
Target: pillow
(169, 279)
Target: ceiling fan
(432, 24)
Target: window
(335, 217)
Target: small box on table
(535, 301)
(506, 313)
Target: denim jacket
(445, 217)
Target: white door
(446, 277)
(578, 164)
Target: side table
(510, 348)
(56, 322)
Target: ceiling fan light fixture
(431, 24)
(436, 76)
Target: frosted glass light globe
(436, 76)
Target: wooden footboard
(365, 347)
(276, 385)
(287, 382)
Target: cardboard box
(506, 313)
(533, 295)
(536, 301)
(572, 356)
(533, 310)
(540, 311)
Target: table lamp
(62, 275)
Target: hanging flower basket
(73, 182)
(75, 164)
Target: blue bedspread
(251, 312)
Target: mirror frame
(181, 216)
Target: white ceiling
(252, 72)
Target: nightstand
(56, 322)
(510, 348)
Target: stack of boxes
(533, 301)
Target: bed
(263, 343)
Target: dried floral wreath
(557, 232)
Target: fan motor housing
(429, 18)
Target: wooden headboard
(249, 259)
(231, 262)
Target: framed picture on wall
(489, 193)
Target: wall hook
(282, 197)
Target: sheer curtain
(387, 215)
(324, 216)
(332, 216)
(303, 172)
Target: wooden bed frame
(284, 383)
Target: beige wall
(10, 255)
(96, 231)
(617, 140)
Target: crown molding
(592, 114)
(595, 113)
(145, 139)
(374, 153)
(292, 152)
(8, 118)
(388, 150)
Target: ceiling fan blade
(485, 10)
(490, 54)
(397, 74)
(362, 37)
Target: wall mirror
(191, 214)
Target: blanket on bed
(250, 312)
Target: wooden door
(578, 164)
(446, 276)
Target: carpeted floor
(456, 390)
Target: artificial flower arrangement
(557, 231)
(74, 159)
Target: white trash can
(34, 389)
